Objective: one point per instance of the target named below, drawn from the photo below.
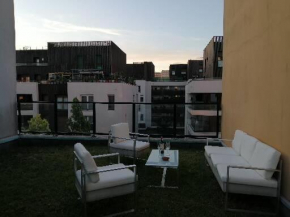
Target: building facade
(256, 96)
(178, 72)
(141, 71)
(202, 120)
(93, 59)
(213, 58)
(8, 106)
(194, 69)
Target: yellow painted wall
(256, 76)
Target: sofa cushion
(209, 150)
(265, 156)
(109, 179)
(88, 161)
(129, 145)
(248, 146)
(245, 177)
(238, 140)
(120, 130)
(228, 160)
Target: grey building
(140, 71)
(194, 69)
(178, 72)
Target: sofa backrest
(248, 146)
(88, 161)
(120, 130)
(238, 140)
(264, 156)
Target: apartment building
(213, 58)
(178, 72)
(90, 59)
(203, 117)
(194, 69)
(141, 71)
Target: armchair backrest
(87, 160)
(120, 130)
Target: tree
(77, 122)
(37, 124)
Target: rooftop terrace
(38, 177)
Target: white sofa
(247, 167)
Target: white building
(27, 92)
(200, 120)
(106, 115)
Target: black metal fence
(176, 120)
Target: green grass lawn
(38, 180)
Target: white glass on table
(167, 146)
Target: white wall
(104, 117)
(29, 88)
(8, 106)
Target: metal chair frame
(84, 172)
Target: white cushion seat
(109, 179)
(209, 150)
(129, 145)
(228, 160)
(245, 177)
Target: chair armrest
(253, 168)
(207, 140)
(139, 134)
(113, 169)
(115, 137)
(107, 155)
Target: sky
(162, 31)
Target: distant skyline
(162, 31)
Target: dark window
(80, 62)
(99, 63)
(111, 99)
(37, 77)
(141, 98)
(139, 89)
(87, 98)
(25, 100)
(141, 117)
(61, 106)
(36, 59)
(90, 120)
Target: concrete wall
(104, 117)
(29, 88)
(256, 90)
(8, 115)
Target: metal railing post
(134, 117)
(19, 117)
(174, 121)
(55, 118)
(94, 118)
(217, 119)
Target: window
(141, 98)
(87, 98)
(37, 77)
(139, 89)
(111, 99)
(141, 117)
(36, 59)
(26, 100)
(99, 64)
(173, 73)
(61, 106)
(80, 62)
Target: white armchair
(120, 141)
(96, 183)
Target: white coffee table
(155, 160)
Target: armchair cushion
(88, 161)
(265, 156)
(248, 147)
(129, 145)
(238, 140)
(120, 130)
(245, 177)
(228, 160)
(109, 179)
(209, 150)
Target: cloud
(61, 27)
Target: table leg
(163, 177)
